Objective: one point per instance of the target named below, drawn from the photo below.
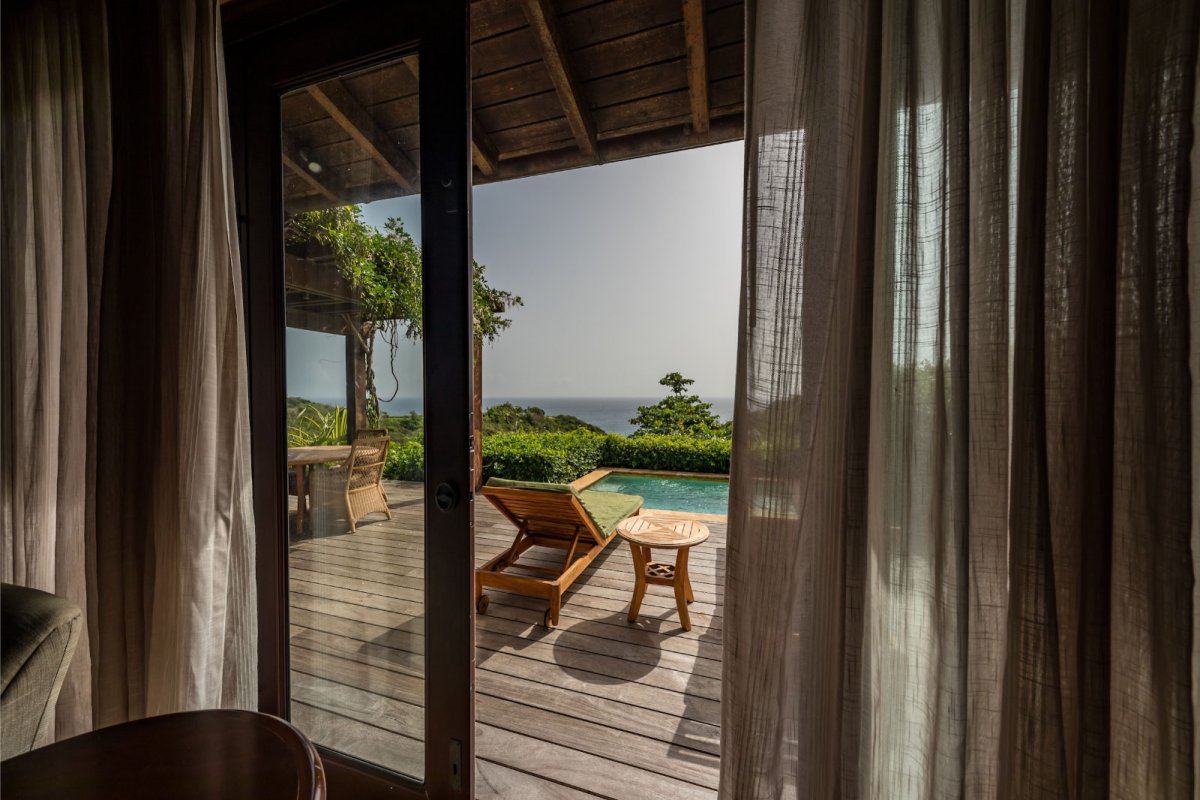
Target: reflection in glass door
(355, 415)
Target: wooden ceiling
(557, 84)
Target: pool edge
(596, 475)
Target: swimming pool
(671, 492)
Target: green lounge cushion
(608, 508)
(504, 483)
(605, 508)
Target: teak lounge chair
(550, 515)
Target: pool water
(670, 493)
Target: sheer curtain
(126, 484)
(966, 464)
(55, 169)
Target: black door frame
(271, 49)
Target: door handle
(445, 497)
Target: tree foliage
(680, 414)
(507, 418)
(383, 266)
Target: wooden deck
(597, 707)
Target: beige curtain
(126, 480)
(966, 462)
(55, 171)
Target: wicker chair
(357, 483)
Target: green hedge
(563, 457)
(405, 461)
(679, 453)
(551, 457)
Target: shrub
(677, 453)
(564, 457)
(318, 425)
(549, 457)
(405, 461)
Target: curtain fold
(124, 408)
(56, 170)
(964, 497)
(174, 555)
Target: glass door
(352, 125)
(355, 413)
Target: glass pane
(355, 414)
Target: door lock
(445, 497)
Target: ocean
(611, 414)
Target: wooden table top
(188, 756)
(660, 532)
(317, 454)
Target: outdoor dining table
(299, 459)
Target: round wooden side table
(192, 755)
(660, 533)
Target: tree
(383, 267)
(680, 414)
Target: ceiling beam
(665, 140)
(697, 62)
(322, 323)
(675, 134)
(354, 119)
(483, 152)
(544, 24)
(298, 164)
(303, 275)
(382, 189)
(414, 66)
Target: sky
(628, 271)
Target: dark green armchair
(38, 634)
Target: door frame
(271, 49)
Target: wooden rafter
(544, 24)
(414, 66)
(293, 160)
(697, 62)
(662, 140)
(483, 152)
(355, 120)
(317, 279)
(675, 134)
(322, 323)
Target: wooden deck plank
(497, 781)
(683, 705)
(360, 739)
(628, 747)
(616, 669)
(499, 630)
(595, 708)
(618, 591)
(572, 767)
(604, 710)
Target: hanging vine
(383, 267)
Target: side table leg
(639, 581)
(682, 588)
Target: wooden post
(356, 382)
(477, 412)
